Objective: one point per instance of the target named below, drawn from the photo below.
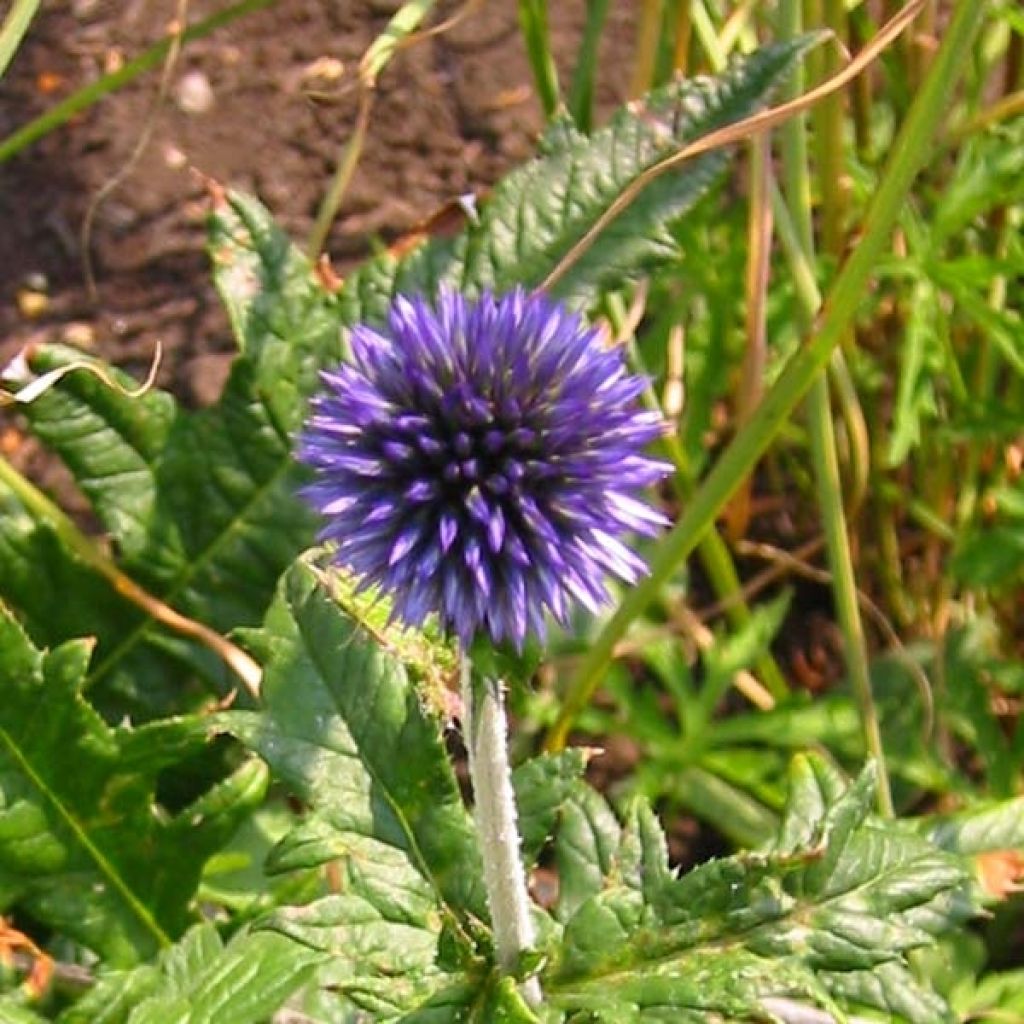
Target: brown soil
(452, 112)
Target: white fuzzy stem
(485, 727)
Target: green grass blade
(406, 21)
(13, 30)
(908, 155)
(533, 19)
(822, 431)
(581, 89)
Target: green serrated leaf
(542, 786)
(734, 985)
(82, 846)
(832, 909)
(981, 829)
(58, 599)
(114, 996)
(586, 844)
(203, 505)
(108, 440)
(542, 209)
(382, 922)
(201, 981)
(892, 989)
(359, 747)
(814, 785)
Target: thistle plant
(478, 460)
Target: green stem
(907, 156)
(647, 35)
(683, 33)
(533, 20)
(152, 58)
(399, 31)
(844, 584)
(822, 431)
(704, 29)
(347, 163)
(13, 30)
(581, 89)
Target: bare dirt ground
(266, 105)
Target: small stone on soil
(79, 335)
(194, 94)
(174, 157)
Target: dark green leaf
(83, 847)
(542, 787)
(981, 829)
(359, 746)
(586, 845)
(202, 981)
(543, 208)
(831, 911)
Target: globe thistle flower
(477, 460)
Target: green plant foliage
(362, 726)
(307, 852)
(545, 787)
(538, 212)
(827, 914)
(996, 999)
(83, 845)
(201, 981)
(696, 760)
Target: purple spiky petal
(479, 460)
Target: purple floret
(479, 459)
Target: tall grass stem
(819, 412)
(533, 21)
(909, 151)
(13, 29)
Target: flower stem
(485, 727)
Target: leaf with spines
(362, 750)
(359, 747)
(543, 786)
(541, 210)
(202, 981)
(828, 914)
(586, 847)
(83, 844)
(983, 828)
(201, 506)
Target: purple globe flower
(477, 459)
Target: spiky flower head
(478, 459)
